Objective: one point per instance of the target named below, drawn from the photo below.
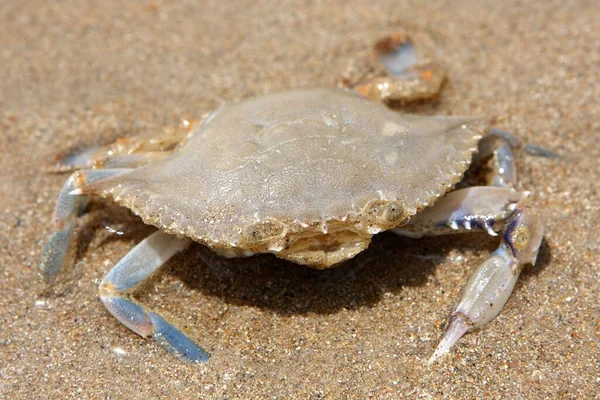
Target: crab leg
(496, 147)
(490, 209)
(491, 284)
(68, 205)
(487, 208)
(108, 157)
(126, 152)
(141, 262)
(479, 208)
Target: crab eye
(387, 214)
(394, 212)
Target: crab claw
(492, 283)
(458, 326)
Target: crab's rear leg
(126, 152)
(67, 207)
(139, 264)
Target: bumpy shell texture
(309, 175)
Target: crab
(308, 175)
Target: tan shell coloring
(274, 173)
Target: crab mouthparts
(324, 250)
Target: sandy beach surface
(76, 73)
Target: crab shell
(308, 175)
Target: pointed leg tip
(47, 278)
(439, 353)
(149, 324)
(182, 348)
(175, 342)
(56, 252)
(455, 330)
(434, 357)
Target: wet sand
(79, 73)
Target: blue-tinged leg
(497, 147)
(125, 152)
(54, 255)
(492, 283)
(493, 210)
(478, 208)
(56, 250)
(529, 148)
(138, 265)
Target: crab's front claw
(483, 208)
(490, 286)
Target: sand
(78, 73)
